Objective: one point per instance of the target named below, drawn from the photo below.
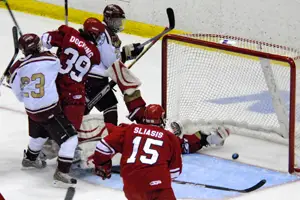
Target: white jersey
(33, 82)
(109, 54)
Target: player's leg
(195, 137)
(163, 194)
(74, 113)
(63, 132)
(108, 103)
(38, 136)
(133, 194)
(128, 84)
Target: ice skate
(63, 180)
(38, 163)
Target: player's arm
(15, 84)
(55, 38)
(130, 51)
(175, 164)
(106, 148)
(196, 138)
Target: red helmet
(30, 43)
(154, 114)
(93, 27)
(114, 17)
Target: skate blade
(60, 184)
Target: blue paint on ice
(209, 170)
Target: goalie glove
(217, 136)
(104, 170)
(131, 51)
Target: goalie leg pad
(125, 79)
(136, 106)
(134, 101)
(92, 128)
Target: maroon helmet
(114, 17)
(154, 114)
(93, 27)
(30, 43)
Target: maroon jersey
(151, 156)
(77, 56)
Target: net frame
(263, 53)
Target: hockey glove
(131, 51)
(217, 136)
(104, 170)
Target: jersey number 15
(147, 149)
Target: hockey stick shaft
(12, 16)
(15, 38)
(116, 169)
(171, 18)
(66, 12)
(153, 40)
(254, 187)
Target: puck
(235, 156)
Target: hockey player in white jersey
(32, 80)
(109, 47)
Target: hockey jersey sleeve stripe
(46, 39)
(174, 170)
(37, 59)
(108, 39)
(104, 148)
(175, 175)
(42, 109)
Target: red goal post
(193, 66)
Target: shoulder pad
(66, 29)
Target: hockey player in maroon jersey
(78, 54)
(151, 157)
(33, 82)
(109, 47)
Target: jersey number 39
(77, 65)
(147, 149)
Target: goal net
(247, 85)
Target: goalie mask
(93, 28)
(154, 114)
(30, 44)
(114, 17)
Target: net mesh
(229, 88)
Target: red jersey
(151, 156)
(77, 56)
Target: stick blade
(171, 17)
(255, 187)
(70, 193)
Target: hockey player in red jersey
(78, 54)
(32, 80)
(151, 157)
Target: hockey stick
(66, 12)
(70, 193)
(153, 40)
(116, 169)
(15, 38)
(171, 18)
(12, 16)
(250, 189)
